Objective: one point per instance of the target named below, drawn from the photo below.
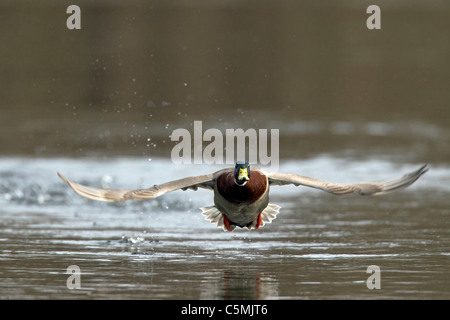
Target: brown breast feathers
(252, 191)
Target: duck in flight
(241, 195)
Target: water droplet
(43, 198)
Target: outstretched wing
(206, 181)
(362, 188)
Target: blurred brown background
(137, 70)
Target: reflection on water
(319, 246)
(239, 285)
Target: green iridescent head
(241, 173)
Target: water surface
(319, 247)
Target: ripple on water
(319, 246)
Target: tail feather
(213, 215)
(267, 215)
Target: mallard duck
(241, 195)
